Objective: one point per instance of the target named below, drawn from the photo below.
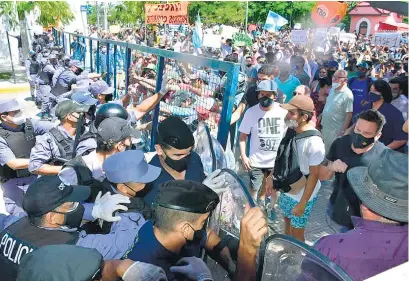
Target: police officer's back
(66, 78)
(56, 147)
(17, 138)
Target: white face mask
(395, 94)
(335, 85)
(19, 118)
(292, 124)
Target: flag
(197, 33)
(274, 22)
(328, 14)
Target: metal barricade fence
(199, 88)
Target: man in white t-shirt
(265, 124)
(296, 205)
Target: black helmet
(110, 110)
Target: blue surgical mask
(372, 97)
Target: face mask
(335, 85)
(372, 97)
(405, 67)
(198, 235)
(292, 124)
(359, 141)
(178, 165)
(395, 94)
(104, 50)
(78, 72)
(265, 101)
(19, 118)
(361, 74)
(108, 97)
(73, 219)
(249, 64)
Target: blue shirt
(287, 87)
(149, 250)
(194, 172)
(360, 91)
(392, 130)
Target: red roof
(364, 8)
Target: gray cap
(101, 87)
(68, 106)
(144, 272)
(83, 97)
(77, 64)
(129, 166)
(267, 85)
(114, 129)
(8, 105)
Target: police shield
(209, 149)
(285, 258)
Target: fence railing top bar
(183, 57)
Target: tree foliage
(220, 12)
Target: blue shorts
(287, 204)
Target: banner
(274, 22)
(212, 41)
(328, 14)
(299, 37)
(242, 39)
(173, 13)
(391, 40)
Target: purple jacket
(370, 248)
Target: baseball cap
(383, 185)
(363, 65)
(188, 196)
(267, 85)
(69, 106)
(129, 166)
(60, 262)
(8, 105)
(144, 272)
(82, 97)
(299, 102)
(76, 63)
(332, 64)
(174, 132)
(48, 192)
(151, 66)
(114, 129)
(100, 87)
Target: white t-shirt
(267, 128)
(310, 152)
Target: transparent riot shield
(285, 258)
(225, 219)
(209, 149)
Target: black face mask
(405, 67)
(198, 235)
(73, 219)
(108, 97)
(178, 165)
(265, 101)
(359, 141)
(78, 72)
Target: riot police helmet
(110, 110)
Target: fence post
(91, 56)
(127, 66)
(228, 102)
(159, 77)
(115, 62)
(63, 41)
(108, 64)
(69, 43)
(98, 58)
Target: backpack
(287, 168)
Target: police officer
(65, 80)
(102, 92)
(113, 135)
(17, 138)
(56, 147)
(32, 69)
(180, 212)
(174, 143)
(54, 215)
(48, 68)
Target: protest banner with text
(171, 13)
(391, 40)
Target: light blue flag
(274, 22)
(197, 33)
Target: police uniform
(181, 195)
(174, 132)
(63, 82)
(43, 196)
(44, 80)
(17, 143)
(56, 146)
(32, 69)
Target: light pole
(247, 15)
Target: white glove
(216, 182)
(106, 205)
(163, 88)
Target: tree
(220, 12)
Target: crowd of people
(77, 175)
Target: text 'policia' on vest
(20, 144)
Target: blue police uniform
(194, 172)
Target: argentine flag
(274, 22)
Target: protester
(360, 87)
(379, 240)
(399, 100)
(286, 82)
(337, 113)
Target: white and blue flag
(274, 22)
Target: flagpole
(247, 15)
